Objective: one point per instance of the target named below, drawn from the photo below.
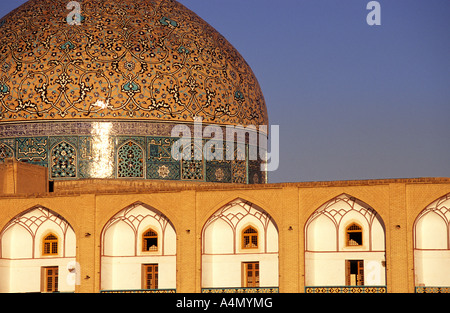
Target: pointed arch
(342, 211)
(35, 222)
(136, 237)
(150, 240)
(137, 218)
(341, 225)
(130, 160)
(249, 237)
(354, 234)
(234, 213)
(5, 152)
(236, 233)
(50, 244)
(431, 240)
(431, 228)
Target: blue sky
(353, 101)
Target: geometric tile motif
(5, 151)
(120, 140)
(75, 157)
(63, 162)
(214, 151)
(130, 160)
(239, 172)
(254, 172)
(192, 170)
(218, 171)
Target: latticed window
(150, 241)
(50, 279)
(50, 245)
(150, 276)
(251, 274)
(249, 238)
(354, 235)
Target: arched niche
(224, 228)
(22, 236)
(326, 228)
(226, 257)
(122, 235)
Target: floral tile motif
(239, 172)
(129, 59)
(219, 172)
(163, 170)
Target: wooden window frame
(254, 269)
(155, 278)
(359, 278)
(146, 237)
(250, 240)
(53, 276)
(349, 232)
(50, 247)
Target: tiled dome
(96, 95)
(133, 59)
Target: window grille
(50, 245)
(150, 276)
(150, 241)
(250, 238)
(50, 278)
(251, 274)
(354, 272)
(354, 235)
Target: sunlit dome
(134, 59)
(96, 95)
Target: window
(249, 238)
(50, 245)
(354, 235)
(251, 274)
(150, 276)
(354, 270)
(150, 241)
(50, 279)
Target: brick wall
(188, 206)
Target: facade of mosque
(92, 198)
(100, 235)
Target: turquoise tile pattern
(76, 149)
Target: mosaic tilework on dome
(129, 59)
(78, 150)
